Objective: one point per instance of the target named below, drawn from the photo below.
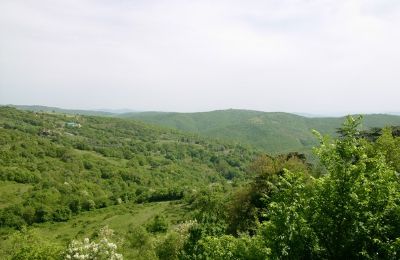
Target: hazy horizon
(311, 57)
(129, 110)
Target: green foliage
(351, 211)
(141, 242)
(69, 181)
(247, 206)
(62, 214)
(170, 247)
(287, 231)
(158, 224)
(104, 162)
(138, 238)
(357, 206)
(272, 132)
(26, 245)
(389, 146)
(229, 247)
(208, 208)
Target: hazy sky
(316, 56)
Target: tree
(390, 147)
(357, 205)
(248, 205)
(353, 211)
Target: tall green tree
(357, 205)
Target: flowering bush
(171, 246)
(183, 228)
(100, 250)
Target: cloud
(290, 55)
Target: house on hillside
(72, 124)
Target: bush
(171, 247)
(27, 245)
(89, 205)
(101, 249)
(229, 247)
(43, 214)
(138, 237)
(158, 225)
(10, 218)
(62, 214)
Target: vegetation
(351, 211)
(274, 133)
(51, 171)
(104, 162)
(87, 187)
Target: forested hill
(273, 132)
(67, 164)
(58, 110)
(67, 182)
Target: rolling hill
(75, 173)
(67, 176)
(57, 159)
(57, 110)
(273, 132)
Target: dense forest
(90, 187)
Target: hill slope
(273, 132)
(52, 166)
(57, 110)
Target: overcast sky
(314, 56)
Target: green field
(120, 218)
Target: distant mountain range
(273, 132)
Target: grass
(117, 217)
(120, 218)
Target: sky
(310, 56)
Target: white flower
(87, 249)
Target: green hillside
(62, 110)
(56, 167)
(89, 187)
(273, 132)
(109, 158)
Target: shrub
(158, 225)
(101, 249)
(62, 214)
(27, 245)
